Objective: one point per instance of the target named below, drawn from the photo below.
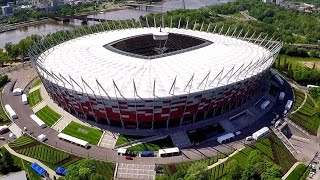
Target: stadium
(153, 77)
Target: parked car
(237, 133)
(249, 138)
(129, 158)
(2, 138)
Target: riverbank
(15, 26)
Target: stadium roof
(84, 61)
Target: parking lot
(135, 171)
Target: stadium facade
(151, 77)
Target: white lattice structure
(128, 90)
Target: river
(15, 36)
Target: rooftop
(134, 76)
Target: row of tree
(7, 163)
(19, 50)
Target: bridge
(84, 19)
(146, 7)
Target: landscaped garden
(34, 98)
(307, 116)
(17, 164)
(299, 97)
(83, 132)
(153, 145)
(299, 173)
(48, 116)
(270, 153)
(52, 157)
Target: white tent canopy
(122, 151)
(74, 140)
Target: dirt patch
(310, 64)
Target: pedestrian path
(39, 106)
(181, 139)
(108, 139)
(220, 161)
(61, 124)
(34, 88)
(29, 159)
(285, 141)
(15, 130)
(134, 171)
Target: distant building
(56, 3)
(7, 10)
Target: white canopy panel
(73, 140)
(86, 58)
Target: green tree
(234, 169)
(4, 58)
(12, 50)
(7, 164)
(272, 171)
(197, 171)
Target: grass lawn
(24, 165)
(48, 116)
(307, 117)
(299, 97)
(86, 133)
(154, 145)
(307, 61)
(34, 98)
(4, 120)
(105, 169)
(52, 157)
(122, 139)
(298, 172)
(36, 83)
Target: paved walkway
(15, 130)
(134, 171)
(303, 102)
(108, 139)
(29, 159)
(291, 169)
(61, 124)
(35, 88)
(181, 139)
(39, 106)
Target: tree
(197, 171)
(272, 171)
(234, 169)
(7, 164)
(12, 50)
(4, 58)
(83, 170)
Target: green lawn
(25, 165)
(154, 145)
(122, 139)
(299, 97)
(86, 133)
(4, 120)
(48, 116)
(34, 98)
(52, 157)
(36, 83)
(298, 172)
(306, 117)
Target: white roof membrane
(86, 58)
